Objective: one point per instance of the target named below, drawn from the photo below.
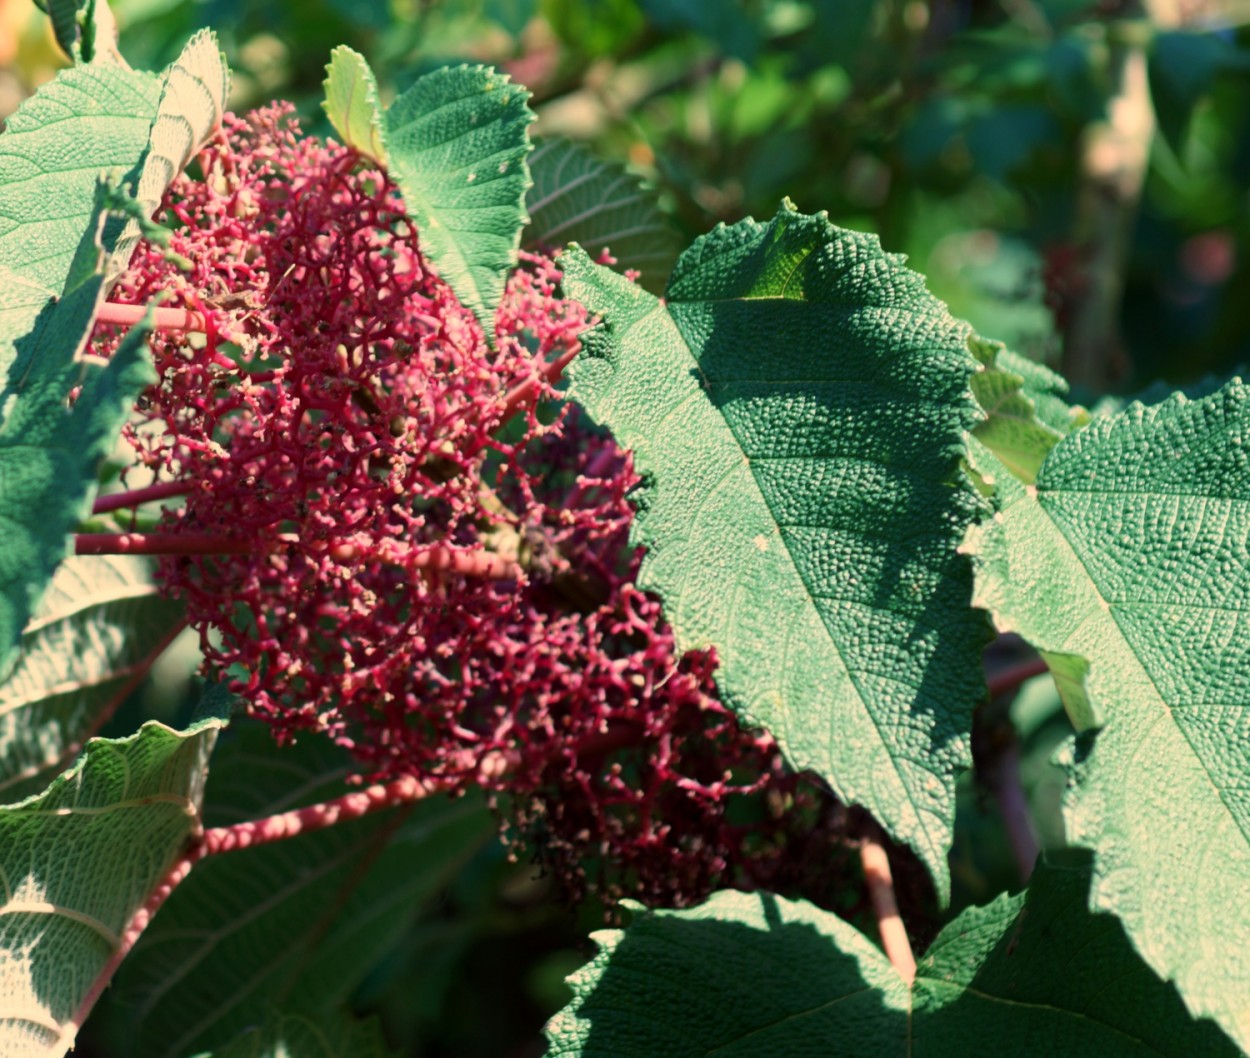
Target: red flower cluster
(417, 548)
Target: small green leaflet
(1031, 974)
(352, 104)
(578, 198)
(1127, 565)
(78, 861)
(797, 406)
(328, 1034)
(85, 30)
(99, 624)
(457, 141)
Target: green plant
(402, 540)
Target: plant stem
(136, 497)
(485, 564)
(1010, 679)
(163, 319)
(319, 816)
(881, 890)
(159, 544)
(524, 390)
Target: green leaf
(754, 974)
(352, 104)
(78, 861)
(457, 141)
(49, 453)
(89, 120)
(191, 105)
(1126, 564)
(578, 198)
(94, 635)
(1013, 430)
(85, 30)
(325, 907)
(326, 1035)
(797, 407)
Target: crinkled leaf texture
(457, 141)
(1128, 566)
(352, 104)
(797, 406)
(578, 198)
(754, 974)
(77, 862)
(98, 627)
(48, 452)
(324, 908)
(305, 1035)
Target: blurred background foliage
(1071, 175)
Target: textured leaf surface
(352, 103)
(578, 198)
(298, 923)
(89, 120)
(99, 623)
(191, 105)
(457, 141)
(1013, 430)
(77, 861)
(1033, 974)
(327, 1035)
(1128, 565)
(48, 452)
(797, 407)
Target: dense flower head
(418, 548)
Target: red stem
(524, 390)
(136, 497)
(881, 890)
(1010, 678)
(163, 319)
(485, 564)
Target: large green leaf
(753, 974)
(797, 406)
(323, 908)
(89, 120)
(94, 635)
(48, 452)
(352, 104)
(578, 198)
(77, 862)
(457, 141)
(326, 1035)
(1127, 565)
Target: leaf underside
(326, 907)
(97, 628)
(1127, 565)
(1035, 973)
(578, 198)
(77, 861)
(457, 141)
(797, 407)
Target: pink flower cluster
(417, 548)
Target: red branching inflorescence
(435, 571)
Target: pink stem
(164, 319)
(881, 890)
(159, 544)
(1009, 679)
(524, 390)
(136, 497)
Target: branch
(1010, 678)
(163, 319)
(881, 890)
(136, 497)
